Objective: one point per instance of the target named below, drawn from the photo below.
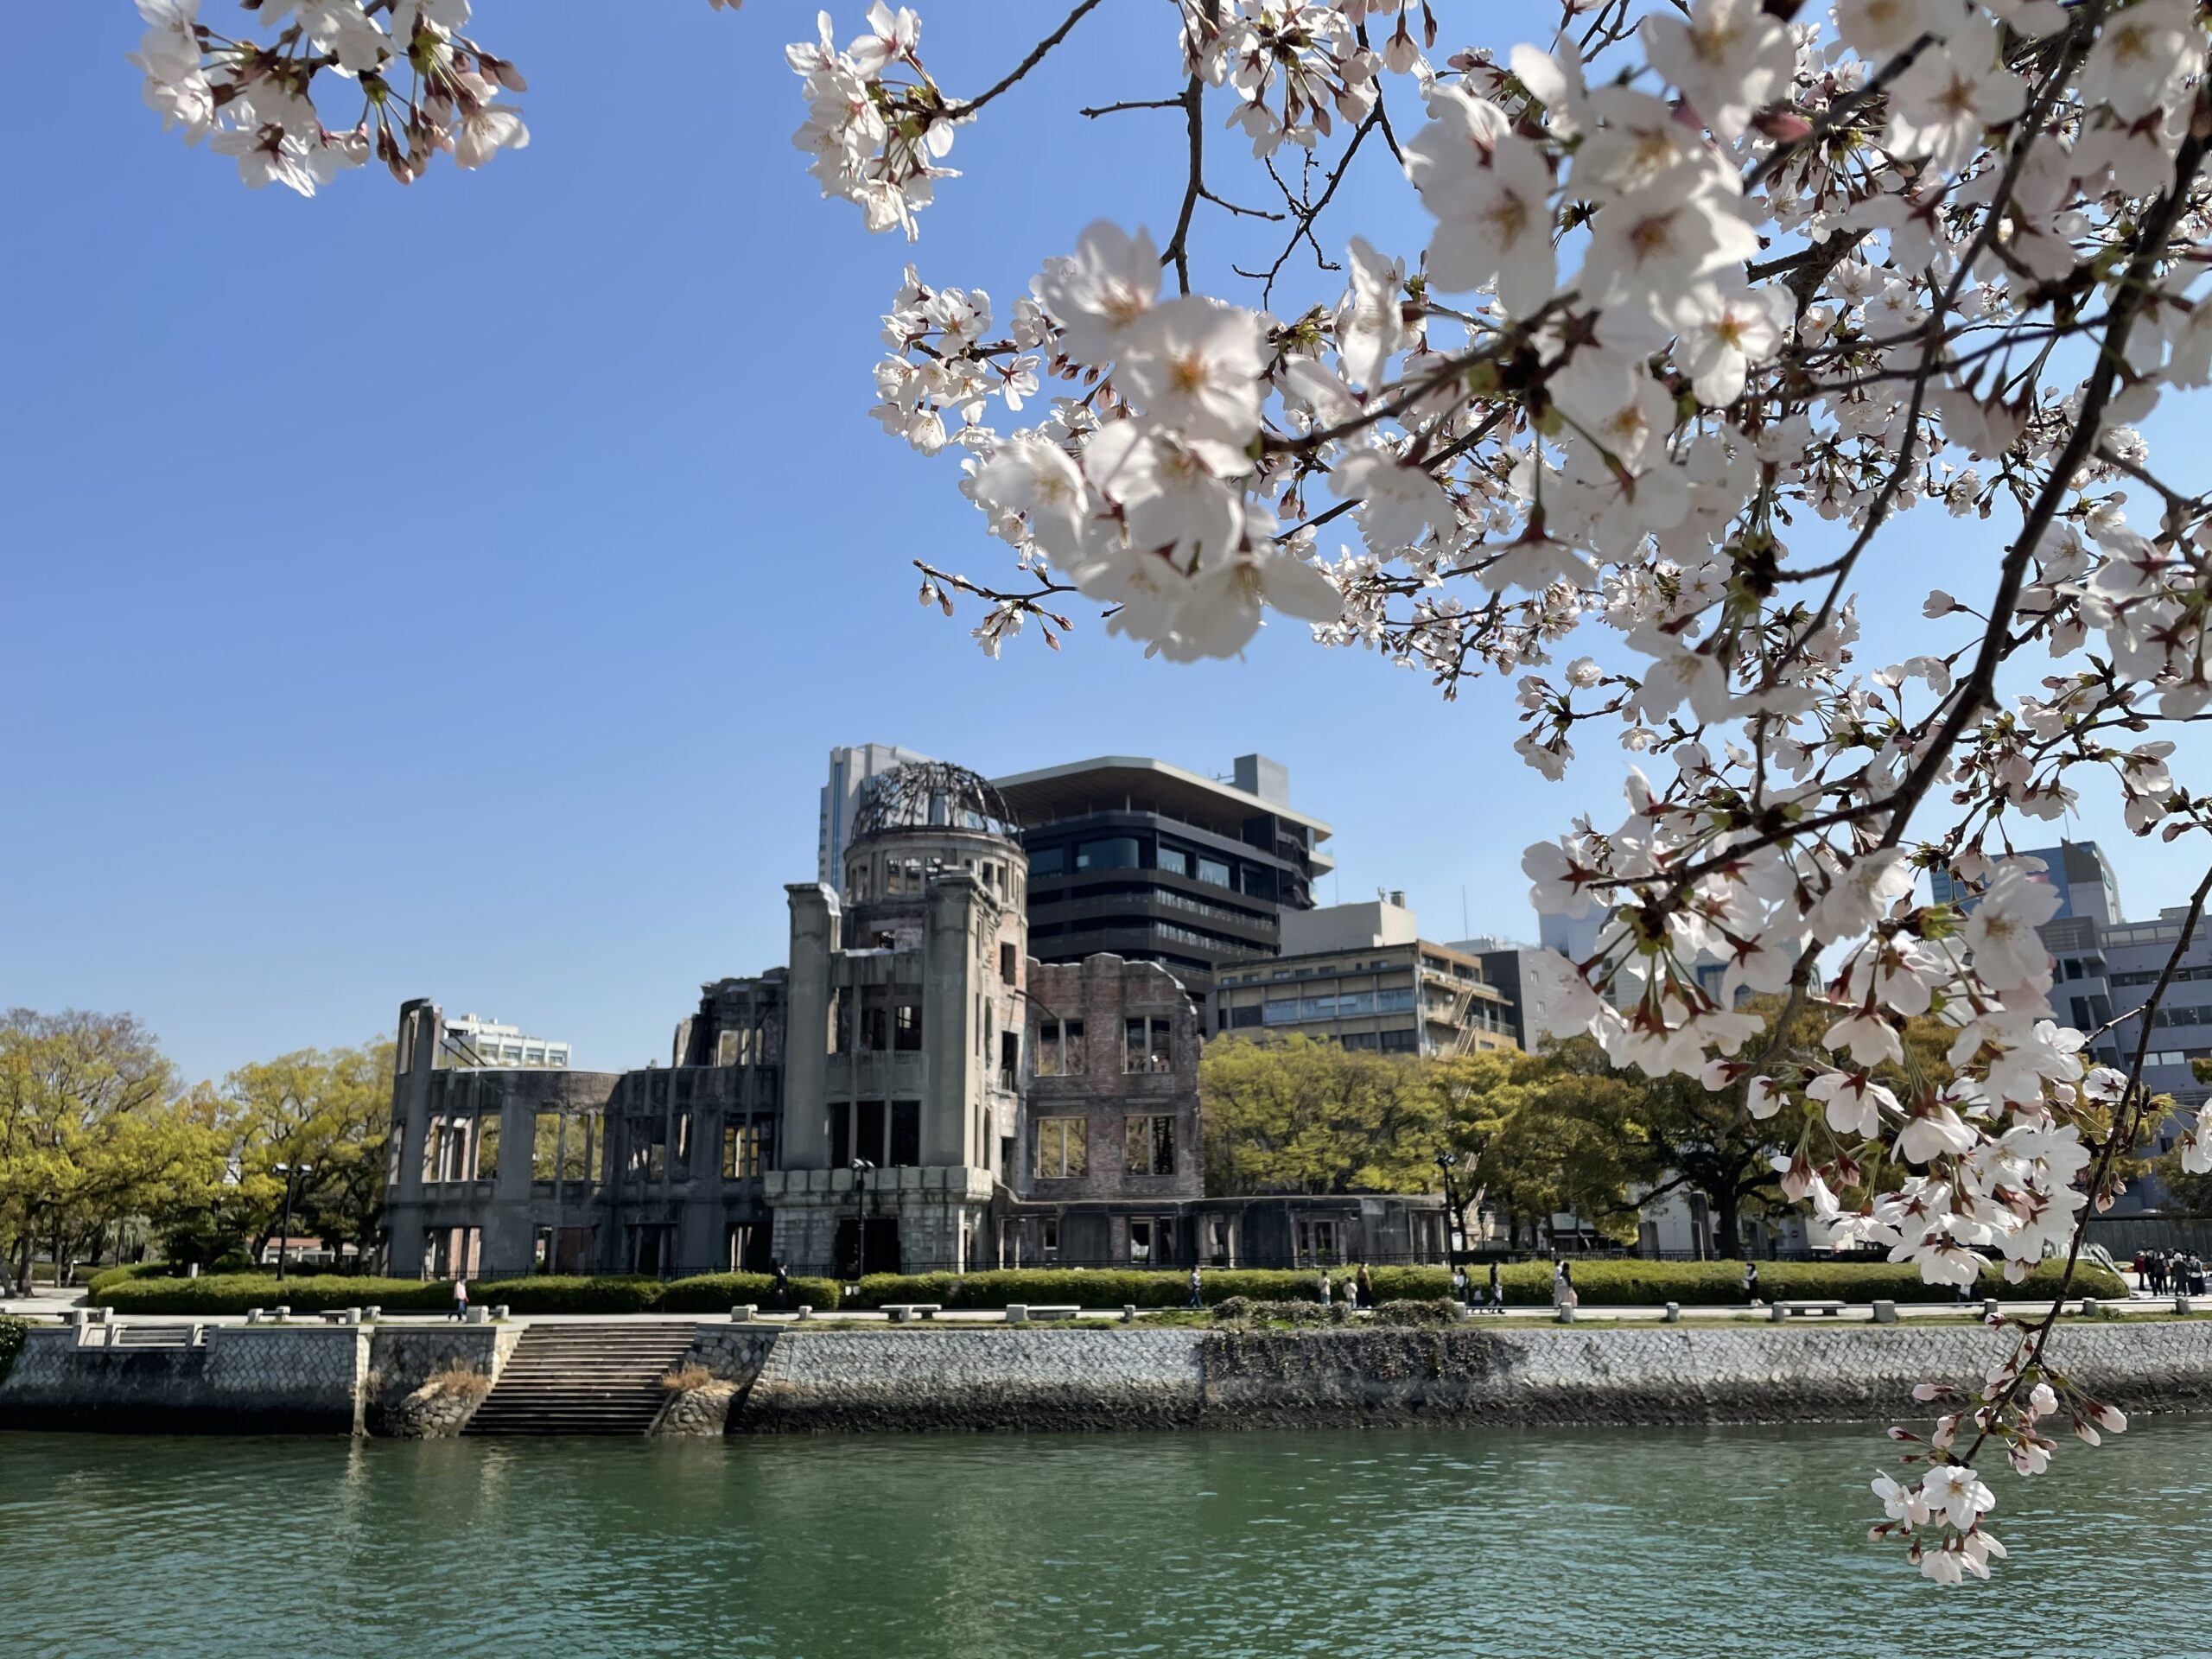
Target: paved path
(54, 1303)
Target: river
(1551, 1545)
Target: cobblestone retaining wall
(401, 1361)
(240, 1376)
(987, 1378)
(994, 1378)
(347, 1379)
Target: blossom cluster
(2015, 1406)
(424, 86)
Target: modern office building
(1150, 862)
(1505, 968)
(493, 1044)
(914, 1092)
(2103, 975)
(850, 769)
(2087, 889)
(1360, 975)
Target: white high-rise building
(849, 769)
(481, 1040)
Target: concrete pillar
(1885, 1313)
(951, 1029)
(815, 940)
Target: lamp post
(861, 1167)
(284, 1237)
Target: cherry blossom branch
(1037, 55)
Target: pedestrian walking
(1752, 1283)
(1196, 1286)
(460, 1300)
(1563, 1284)
(1367, 1286)
(1352, 1292)
(1325, 1298)
(1460, 1285)
(1496, 1289)
(783, 1286)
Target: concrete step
(590, 1379)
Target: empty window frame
(1063, 1151)
(1149, 1145)
(1146, 1044)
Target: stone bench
(1780, 1310)
(1022, 1312)
(907, 1312)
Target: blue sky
(454, 592)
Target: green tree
(92, 1134)
(328, 1109)
(1298, 1114)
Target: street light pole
(861, 1167)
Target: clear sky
(454, 591)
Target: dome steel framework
(931, 795)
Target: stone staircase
(583, 1379)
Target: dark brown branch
(1036, 56)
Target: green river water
(1552, 1545)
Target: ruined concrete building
(913, 1093)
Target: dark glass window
(1115, 853)
(1217, 871)
(1175, 859)
(1049, 861)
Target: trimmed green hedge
(107, 1276)
(214, 1293)
(1601, 1282)
(1126, 1288)
(1606, 1282)
(718, 1293)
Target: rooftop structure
(2079, 869)
(1146, 860)
(477, 1039)
(1360, 975)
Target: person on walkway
(1196, 1286)
(1496, 1289)
(1563, 1284)
(1324, 1288)
(1752, 1283)
(783, 1286)
(2196, 1273)
(460, 1300)
(1367, 1286)
(1352, 1292)
(1460, 1285)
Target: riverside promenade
(420, 1376)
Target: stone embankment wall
(377, 1380)
(732, 1356)
(268, 1378)
(991, 1378)
(405, 1394)
(344, 1379)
